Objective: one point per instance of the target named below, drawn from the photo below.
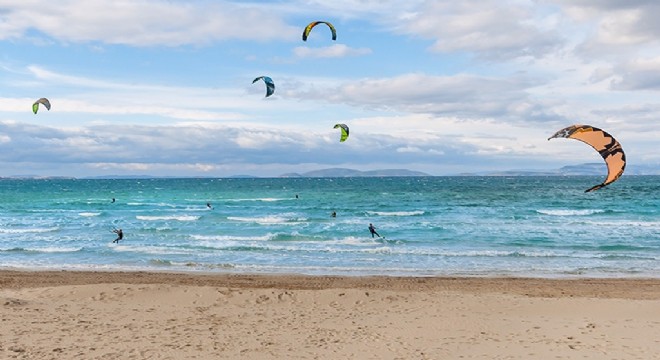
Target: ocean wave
(269, 219)
(521, 254)
(470, 253)
(269, 242)
(640, 223)
(89, 214)
(160, 262)
(259, 199)
(318, 270)
(628, 224)
(168, 217)
(354, 241)
(232, 237)
(569, 212)
(161, 204)
(156, 250)
(57, 249)
(627, 257)
(379, 250)
(397, 213)
(201, 249)
(25, 231)
(189, 264)
(43, 250)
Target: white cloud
(356, 8)
(502, 77)
(206, 147)
(334, 51)
(142, 22)
(409, 149)
(460, 95)
(489, 28)
(103, 97)
(638, 74)
(152, 167)
(617, 28)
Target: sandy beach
(137, 315)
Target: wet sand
(139, 315)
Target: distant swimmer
(296, 196)
(334, 214)
(120, 235)
(208, 205)
(372, 229)
(113, 200)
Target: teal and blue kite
(270, 85)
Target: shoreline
(623, 288)
(159, 315)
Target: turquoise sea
(474, 226)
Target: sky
(164, 87)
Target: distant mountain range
(582, 169)
(596, 169)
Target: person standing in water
(120, 235)
(372, 230)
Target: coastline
(154, 315)
(623, 288)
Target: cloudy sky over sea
(165, 87)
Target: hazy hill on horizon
(593, 169)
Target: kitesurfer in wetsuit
(120, 235)
(372, 229)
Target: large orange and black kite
(606, 145)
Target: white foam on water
(168, 217)
(153, 250)
(628, 224)
(160, 204)
(232, 238)
(46, 249)
(55, 249)
(89, 214)
(269, 219)
(397, 213)
(259, 199)
(352, 240)
(569, 212)
(25, 231)
(379, 250)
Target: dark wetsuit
(120, 235)
(372, 229)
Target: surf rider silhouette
(372, 229)
(120, 235)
